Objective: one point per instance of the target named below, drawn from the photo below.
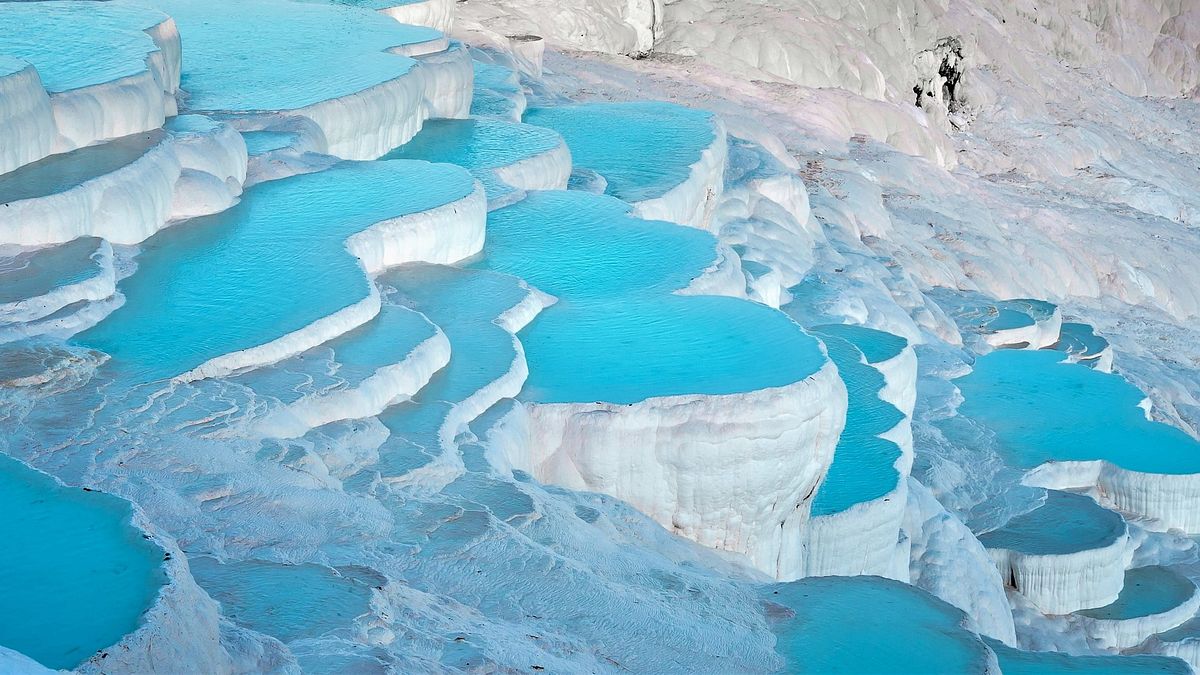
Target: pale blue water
(191, 124)
(876, 345)
(244, 57)
(1147, 591)
(1080, 338)
(1017, 662)
(383, 341)
(1038, 310)
(261, 142)
(493, 90)
(869, 625)
(576, 245)
(863, 465)
(1065, 523)
(464, 304)
(625, 350)
(643, 149)
(478, 145)
(74, 44)
(75, 575)
(1043, 410)
(270, 265)
(288, 602)
(11, 64)
(36, 272)
(618, 334)
(59, 173)
(1007, 319)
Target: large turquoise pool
(75, 575)
(618, 332)
(243, 58)
(75, 44)
(1042, 410)
(859, 625)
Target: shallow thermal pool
(59, 173)
(863, 464)
(75, 575)
(35, 272)
(613, 139)
(1147, 591)
(1042, 409)
(244, 59)
(478, 145)
(269, 266)
(1065, 523)
(288, 602)
(575, 245)
(1018, 662)
(618, 333)
(75, 45)
(869, 625)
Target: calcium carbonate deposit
(600, 336)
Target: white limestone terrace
(1154, 599)
(1067, 554)
(378, 364)
(487, 364)
(1016, 323)
(37, 282)
(764, 215)
(1182, 642)
(743, 480)
(860, 507)
(97, 71)
(124, 190)
(680, 183)
(26, 115)
(365, 96)
(326, 232)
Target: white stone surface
(735, 472)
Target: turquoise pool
(271, 265)
(618, 333)
(75, 575)
(1065, 523)
(1042, 410)
(59, 173)
(858, 625)
(613, 140)
(863, 464)
(1147, 591)
(75, 45)
(287, 602)
(478, 145)
(243, 58)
